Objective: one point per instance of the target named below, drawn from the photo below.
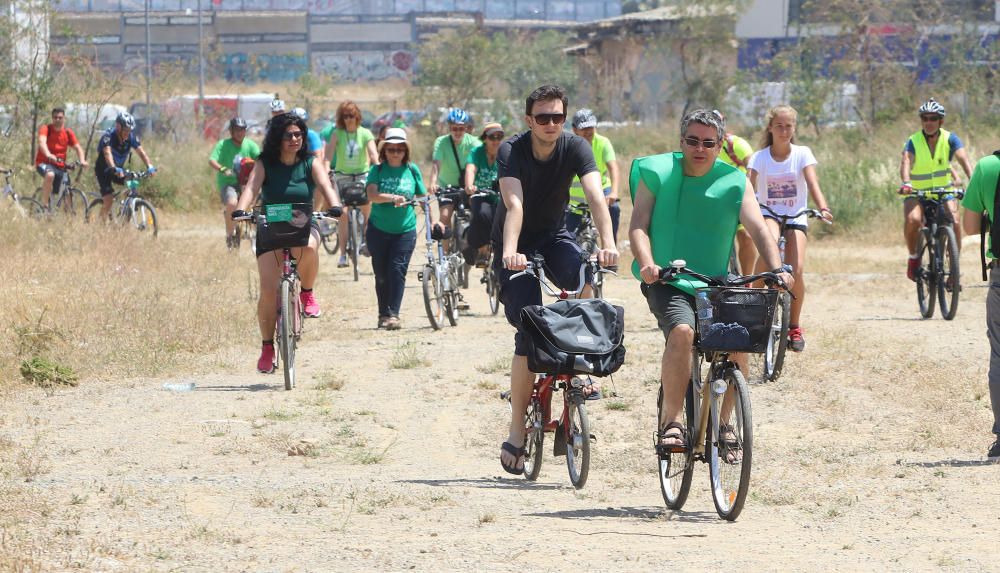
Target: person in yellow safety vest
(585, 125)
(736, 151)
(922, 170)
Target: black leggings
(480, 227)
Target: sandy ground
(869, 452)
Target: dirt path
(869, 452)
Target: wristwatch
(785, 268)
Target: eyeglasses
(695, 142)
(458, 128)
(395, 149)
(495, 137)
(290, 135)
(930, 118)
(549, 118)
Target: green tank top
(694, 218)
(288, 183)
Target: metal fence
(554, 10)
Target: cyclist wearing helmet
(221, 160)
(314, 144)
(278, 107)
(451, 152)
(585, 125)
(113, 150)
(736, 151)
(925, 165)
(54, 139)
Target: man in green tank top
(686, 205)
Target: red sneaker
(796, 343)
(265, 364)
(912, 265)
(309, 304)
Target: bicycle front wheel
(676, 469)
(534, 437)
(949, 283)
(777, 345)
(28, 207)
(730, 445)
(433, 302)
(355, 239)
(492, 288)
(144, 216)
(330, 235)
(577, 440)
(926, 275)
(286, 332)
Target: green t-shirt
(288, 183)
(604, 152)
(351, 155)
(448, 172)
(225, 151)
(741, 148)
(693, 218)
(486, 173)
(404, 180)
(981, 192)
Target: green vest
(694, 218)
(930, 171)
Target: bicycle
(460, 220)
(586, 237)
(717, 412)
(774, 356)
(439, 276)
(67, 199)
(353, 195)
(489, 278)
(291, 314)
(571, 431)
(23, 206)
(937, 248)
(131, 208)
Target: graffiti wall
(250, 68)
(365, 65)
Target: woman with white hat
(392, 226)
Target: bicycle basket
(741, 319)
(272, 236)
(354, 195)
(574, 337)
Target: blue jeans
(390, 258)
(993, 331)
(573, 219)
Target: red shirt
(57, 142)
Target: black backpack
(575, 337)
(993, 226)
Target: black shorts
(563, 258)
(105, 180)
(792, 226)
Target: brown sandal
(682, 435)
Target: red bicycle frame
(542, 391)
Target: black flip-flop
(517, 453)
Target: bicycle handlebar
(936, 192)
(257, 217)
(536, 268)
(136, 174)
(811, 213)
(676, 268)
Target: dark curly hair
(271, 150)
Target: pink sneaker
(309, 304)
(265, 364)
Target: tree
(456, 66)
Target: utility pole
(149, 79)
(201, 65)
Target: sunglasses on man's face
(695, 142)
(290, 135)
(550, 118)
(930, 118)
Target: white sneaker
(342, 262)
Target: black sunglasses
(695, 142)
(495, 137)
(290, 135)
(549, 118)
(930, 117)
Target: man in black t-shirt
(536, 169)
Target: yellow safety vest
(930, 171)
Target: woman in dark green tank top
(285, 173)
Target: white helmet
(125, 119)
(302, 113)
(931, 106)
(277, 105)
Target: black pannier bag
(575, 337)
(274, 235)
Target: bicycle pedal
(420, 275)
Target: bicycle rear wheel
(731, 447)
(330, 235)
(93, 210)
(533, 439)
(144, 216)
(354, 242)
(577, 439)
(28, 207)
(774, 355)
(676, 469)
(949, 283)
(451, 307)
(926, 275)
(492, 287)
(433, 302)
(286, 332)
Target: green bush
(46, 373)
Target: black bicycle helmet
(237, 123)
